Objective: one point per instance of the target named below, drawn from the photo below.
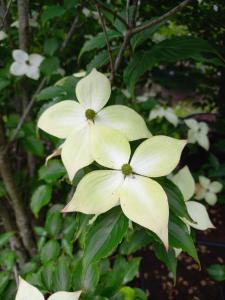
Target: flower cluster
(25, 64)
(198, 133)
(167, 113)
(93, 133)
(207, 190)
(28, 292)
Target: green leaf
(3, 192)
(90, 277)
(7, 259)
(40, 198)
(51, 93)
(179, 237)
(140, 37)
(29, 267)
(169, 51)
(168, 257)
(175, 198)
(33, 145)
(50, 46)
(217, 272)
(62, 276)
(105, 235)
(52, 171)
(98, 41)
(67, 247)
(50, 251)
(4, 279)
(131, 269)
(68, 83)
(53, 224)
(4, 83)
(70, 3)
(5, 238)
(52, 12)
(47, 274)
(50, 65)
(99, 60)
(135, 241)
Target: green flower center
(126, 169)
(90, 114)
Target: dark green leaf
(33, 145)
(105, 235)
(98, 41)
(90, 277)
(52, 171)
(5, 238)
(168, 51)
(4, 279)
(50, 251)
(135, 241)
(53, 224)
(40, 198)
(50, 65)
(50, 46)
(47, 275)
(51, 12)
(62, 276)
(50, 93)
(180, 238)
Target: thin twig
(114, 13)
(6, 14)
(156, 21)
(127, 11)
(107, 40)
(25, 113)
(122, 49)
(69, 34)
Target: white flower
(73, 121)
(198, 133)
(197, 211)
(25, 64)
(142, 199)
(3, 35)
(161, 112)
(27, 291)
(207, 190)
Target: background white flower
(198, 133)
(27, 291)
(207, 190)
(25, 64)
(197, 211)
(3, 35)
(142, 199)
(167, 113)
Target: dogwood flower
(207, 190)
(27, 291)
(167, 113)
(127, 182)
(198, 133)
(72, 121)
(25, 64)
(197, 211)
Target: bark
(21, 216)
(23, 12)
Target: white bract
(197, 211)
(167, 113)
(27, 291)
(75, 121)
(198, 133)
(207, 190)
(25, 64)
(142, 199)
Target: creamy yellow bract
(142, 199)
(27, 291)
(71, 120)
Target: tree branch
(15, 241)
(156, 21)
(23, 12)
(17, 201)
(107, 40)
(112, 12)
(69, 34)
